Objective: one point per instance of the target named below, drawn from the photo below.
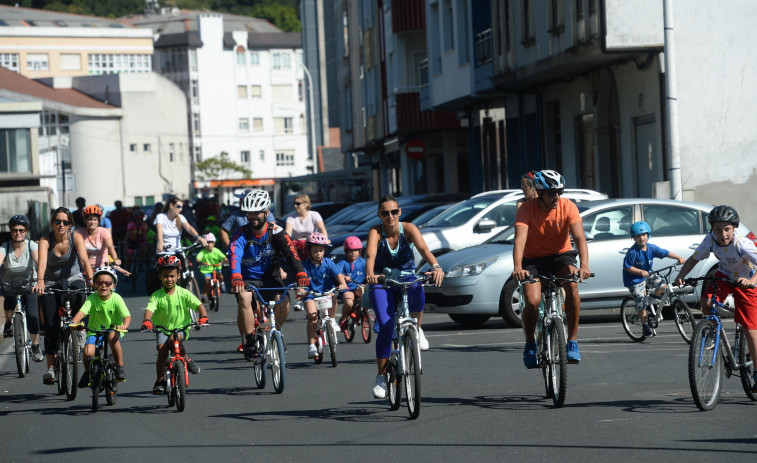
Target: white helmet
(256, 201)
(210, 238)
(108, 271)
(548, 179)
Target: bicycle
(404, 365)
(325, 333)
(269, 342)
(359, 317)
(22, 344)
(176, 375)
(710, 352)
(551, 354)
(214, 294)
(102, 367)
(682, 315)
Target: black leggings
(32, 311)
(51, 317)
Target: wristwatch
(437, 266)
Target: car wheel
(469, 320)
(509, 304)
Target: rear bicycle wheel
(746, 372)
(20, 344)
(705, 368)
(412, 375)
(71, 363)
(393, 385)
(59, 366)
(558, 363)
(278, 363)
(180, 390)
(630, 320)
(216, 295)
(367, 325)
(684, 320)
(349, 328)
(331, 334)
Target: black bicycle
(102, 367)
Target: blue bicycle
(710, 354)
(269, 343)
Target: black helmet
(724, 214)
(19, 220)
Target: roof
(182, 21)
(279, 40)
(186, 39)
(13, 82)
(29, 17)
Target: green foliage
(220, 168)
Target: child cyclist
(169, 307)
(211, 258)
(104, 308)
(353, 269)
(636, 268)
(737, 260)
(322, 272)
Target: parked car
(478, 282)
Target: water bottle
(540, 322)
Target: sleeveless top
(65, 266)
(394, 262)
(97, 251)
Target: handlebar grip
(382, 280)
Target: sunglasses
(297, 204)
(103, 283)
(178, 206)
(62, 222)
(555, 192)
(392, 212)
(18, 230)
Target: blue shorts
(92, 339)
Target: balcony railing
(423, 68)
(408, 15)
(483, 47)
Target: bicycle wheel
(412, 373)
(59, 366)
(558, 364)
(393, 387)
(111, 389)
(629, 317)
(216, 295)
(705, 373)
(19, 344)
(94, 371)
(331, 334)
(170, 386)
(746, 372)
(278, 363)
(181, 385)
(194, 288)
(367, 325)
(684, 320)
(349, 329)
(319, 342)
(71, 363)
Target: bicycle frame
(271, 348)
(325, 333)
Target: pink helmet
(317, 238)
(352, 242)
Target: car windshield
(461, 213)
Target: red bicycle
(359, 317)
(213, 293)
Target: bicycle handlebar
(573, 278)
(255, 290)
(169, 251)
(383, 280)
(713, 278)
(172, 331)
(102, 330)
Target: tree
(220, 168)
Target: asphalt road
(625, 402)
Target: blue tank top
(400, 259)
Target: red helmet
(351, 243)
(92, 210)
(169, 262)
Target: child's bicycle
(176, 376)
(269, 341)
(551, 355)
(325, 334)
(186, 275)
(102, 368)
(22, 344)
(405, 359)
(213, 295)
(710, 353)
(359, 317)
(682, 315)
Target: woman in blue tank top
(389, 252)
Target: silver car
(478, 282)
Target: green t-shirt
(209, 260)
(172, 310)
(105, 313)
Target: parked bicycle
(361, 318)
(325, 333)
(404, 364)
(22, 343)
(269, 341)
(711, 354)
(102, 367)
(672, 298)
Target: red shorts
(745, 300)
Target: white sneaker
(379, 389)
(49, 377)
(335, 325)
(422, 341)
(312, 351)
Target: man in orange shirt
(543, 227)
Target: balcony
(408, 15)
(410, 117)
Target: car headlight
(470, 269)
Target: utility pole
(671, 100)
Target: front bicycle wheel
(170, 386)
(631, 321)
(331, 333)
(746, 371)
(216, 295)
(94, 371)
(557, 371)
(367, 325)
(278, 363)
(20, 344)
(349, 328)
(318, 359)
(259, 363)
(181, 385)
(412, 374)
(684, 320)
(393, 387)
(71, 363)
(705, 366)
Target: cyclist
(170, 223)
(302, 223)
(636, 267)
(98, 240)
(322, 272)
(254, 256)
(169, 307)
(390, 252)
(77, 214)
(737, 260)
(211, 258)
(543, 228)
(108, 309)
(62, 258)
(353, 269)
(236, 220)
(136, 237)
(19, 256)
(120, 219)
(526, 186)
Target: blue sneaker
(573, 355)
(648, 333)
(529, 355)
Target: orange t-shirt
(548, 232)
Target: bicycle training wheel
(349, 329)
(71, 363)
(705, 372)
(94, 371)
(629, 317)
(367, 325)
(332, 342)
(181, 385)
(278, 363)
(557, 371)
(684, 320)
(19, 345)
(746, 372)
(412, 374)
(393, 387)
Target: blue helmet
(640, 227)
(548, 180)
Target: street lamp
(311, 110)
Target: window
(282, 60)
(609, 224)
(138, 201)
(244, 124)
(70, 62)
(527, 17)
(241, 92)
(116, 64)
(9, 61)
(245, 157)
(256, 91)
(149, 200)
(146, 147)
(262, 155)
(283, 125)
(170, 152)
(15, 151)
(301, 90)
(257, 124)
(346, 33)
(133, 147)
(241, 56)
(37, 62)
(285, 158)
(462, 32)
(671, 220)
(281, 92)
(555, 17)
(254, 58)
(448, 28)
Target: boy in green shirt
(104, 308)
(169, 307)
(211, 258)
